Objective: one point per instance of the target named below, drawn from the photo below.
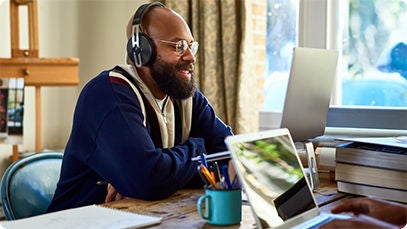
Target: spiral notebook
(89, 217)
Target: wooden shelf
(41, 71)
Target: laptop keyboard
(324, 221)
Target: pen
(217, 171)
(212, 170)
(201, 175)
(203, 160)
(208, 176)
(213, 156)
(235, 183)
(213, 175)
(226, 175)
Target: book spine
(326, 156)
(371, 176)
(372, 158)
(367, 190)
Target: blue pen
(203, 160)
(226, 175)
(235, 183)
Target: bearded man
(137, 126)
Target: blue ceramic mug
(222, 206)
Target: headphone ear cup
(147, 49)
(130, 50)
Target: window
(375, 53)
(372, 75)
(282, 37)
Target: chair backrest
(28, 185)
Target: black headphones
(140, 47)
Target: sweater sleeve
(206, 124)
(126, 156)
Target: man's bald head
(156, 19)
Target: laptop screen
(272, 176)
(309, 88)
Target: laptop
(274, 181)
(308, 94)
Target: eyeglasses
(182, 45)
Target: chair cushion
(32, 185)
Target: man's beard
(165, 75)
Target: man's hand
(231, 172)
(112, 194)
(390, 212)
(361, 221)
(369, 211)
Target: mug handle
(199, 207)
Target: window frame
(318, 28)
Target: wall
(259, 11)
(94, 32)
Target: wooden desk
(180, 209)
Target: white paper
(88, 217)
(399, 141)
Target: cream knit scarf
(167, 128)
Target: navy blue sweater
(110, 143)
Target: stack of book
(372, 170)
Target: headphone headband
(142, 10)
